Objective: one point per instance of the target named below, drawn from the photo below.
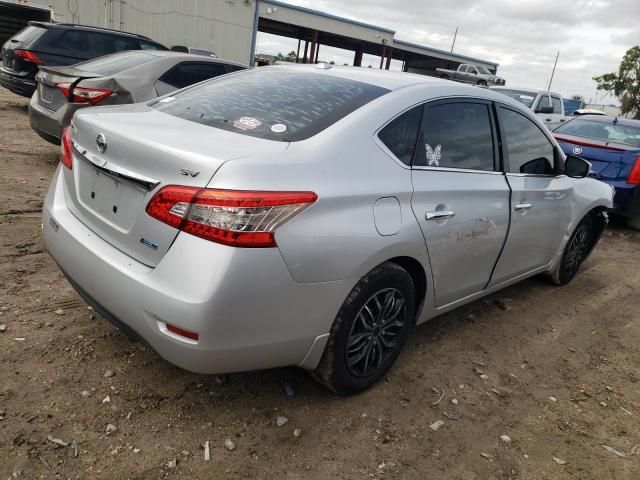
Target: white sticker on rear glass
(526, 97)
(247, 123)
(433, 155)
(278, 127)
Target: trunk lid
(610, 161)
(145, 150)
(50, 96)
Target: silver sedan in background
(310, 215)
(125, 77)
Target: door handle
(547, 119)
(522, 206)
(562, 120)
(439, 215)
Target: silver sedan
(311, 216)
(125, 77)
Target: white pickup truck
(549, 106)
(468, 73)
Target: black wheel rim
(375, 332)
(576, 251)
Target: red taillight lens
(91, 96)
(182, 332)
(239, 218)
(634, 176)
(66, 157)
(28, 56)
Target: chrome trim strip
(115, 171)
(463, 170)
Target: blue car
(612, 146)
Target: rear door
(557, 117)
(461, 198)
(541, 201)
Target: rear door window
(557, 105)
(271, 103)
(456, 135)
(528, 148)
(185, 74)
(28, 35)
(400, 136)
(76, 43)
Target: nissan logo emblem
(101, 142)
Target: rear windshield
(522, 96)
(271, 103)
(609, 132)
(28, 35)
(112, 64)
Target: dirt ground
(557, 373)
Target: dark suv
(42, 43)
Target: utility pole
(454, 38)
(553, 71)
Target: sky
(523, 36)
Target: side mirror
(546, 110)
(180, 48)
(576, 167)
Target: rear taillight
(182, 332)
(634, 176)
(239, 218)
(27, 55)
(83, 95)
(66, 157)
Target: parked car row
(474, 74)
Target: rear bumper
(21, 85)
(627, 199)
(49, 123)
(248, 311)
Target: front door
(461, 199)
(540, 199)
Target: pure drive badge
(101, 143)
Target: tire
(446, 77)
(482, 83)
(633, 223)
(574, 254)
(376, 295)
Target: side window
(463, 68)
(544, 102)
(76, 42)
(234, 68)
(528, 149)
(401, 135)
(557, 105)
(472, 69)
(186, 74)
(456, 135)
(144, 45)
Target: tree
(280, 56)
(291, 56)
(626, 83)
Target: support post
(306, 48)
(389, 52)
(317, 53)
(357, 58)
(384, 53)
(314, 42)
(298, 52)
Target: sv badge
(189, 173)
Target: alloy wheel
(375, 332)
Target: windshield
(112, 64)
(271, 103)
(522, 96)
(609, 132)
(483, 70)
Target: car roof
(608, 119)
(389, 79)
(88, 28)
(527, 90)
(193, 57)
